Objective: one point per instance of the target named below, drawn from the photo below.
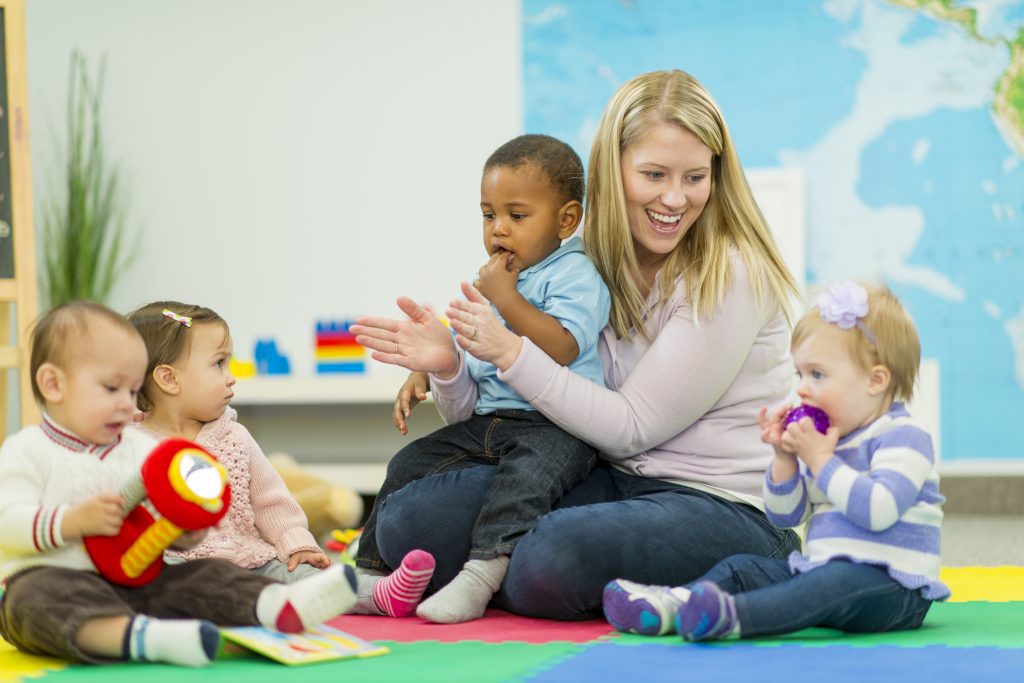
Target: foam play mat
(977, 636)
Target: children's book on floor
(321, 644)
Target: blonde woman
(697, 342)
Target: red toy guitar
(181, 488)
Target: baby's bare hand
(497, 277)
(412, 392)
(315, 559)
(98, 516)
(190, 539)
(811, 446)
(771, 429)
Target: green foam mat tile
(419, 662)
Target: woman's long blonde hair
(730, 218)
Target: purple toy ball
(817, 415)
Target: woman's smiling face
(666, 178)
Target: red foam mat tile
(497, 626)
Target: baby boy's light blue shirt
(566, 286)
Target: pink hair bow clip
(844, 305)
(183, 319)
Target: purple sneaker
(636, 608)
(710, 613)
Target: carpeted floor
(977, 636)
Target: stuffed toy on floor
(327, 506)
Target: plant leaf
(83, 223)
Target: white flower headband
(845, 305)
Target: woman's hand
(480, 332)
(420, 343)
(412, 392)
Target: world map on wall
(907, 120)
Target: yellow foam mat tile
(15, 666)
(989, 584)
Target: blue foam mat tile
(739, 662)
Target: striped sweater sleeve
(786, 503)
(901, 461)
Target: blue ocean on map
(984, 254)
(767, 90)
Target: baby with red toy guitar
(63, 481)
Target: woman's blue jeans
(536, 463)
(857, 598)
(611, 525)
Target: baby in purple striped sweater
(868, 488)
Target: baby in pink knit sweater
(186, 394)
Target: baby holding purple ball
(853, 464)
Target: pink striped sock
(398, 593)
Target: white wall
(290, 161)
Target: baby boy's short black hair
(557, 159)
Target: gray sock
(466, 597)
(366, 579)
(364, 571)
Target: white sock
(466, 597)
(185, 642)
(293, 608)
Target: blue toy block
(341, 367)
(333, 326)
(270, 361)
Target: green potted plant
(84, 242)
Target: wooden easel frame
(17, 292)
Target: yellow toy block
(242, 368)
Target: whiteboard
(289, 162)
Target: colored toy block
(270, 361)
(335, 326)
(336, 350)
(330, 353)
(336, 340)
(242, 368)
(341, 367)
